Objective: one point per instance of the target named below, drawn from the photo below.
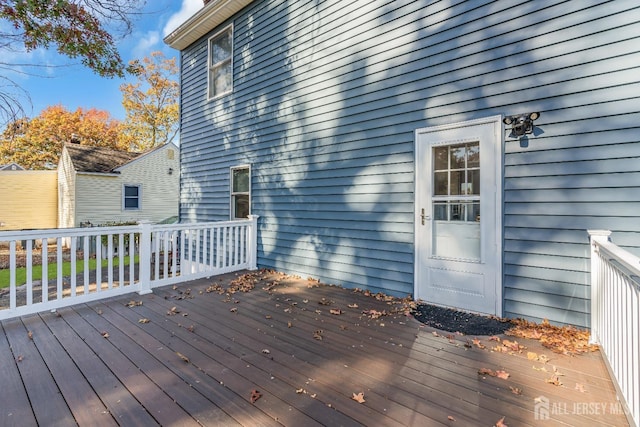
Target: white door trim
(420, 246)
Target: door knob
(424, 217)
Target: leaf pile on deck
(564, 340)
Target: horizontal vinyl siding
(28, 200)
(327, 96)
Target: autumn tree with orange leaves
(151, 103)
(37, 143)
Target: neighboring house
(369, 138)
(11, 167)
(28, 199)
(101, 186)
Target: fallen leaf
(335, 311)
(133, 303)
(494, 338)
(99, 312)
(478, 344)
(143, 320)
(182, 356)
(580, 388)
(313, 396)
(358, 397)
(555, 380)
(486, 371)
(532, 356)
(354, 305)
(265, 351)
(289, 324)
(318, 334)
(502, 374)
(267, 316)
(234, 310)
(325, 301)
(435, 334)
(30, 335)
(191, 328)
(450, 418)
(300, 390)
(515, 390)
(501, 423)
(105, 334)
(255, 395)
(20, 358)
(343, 327)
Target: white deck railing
(615, 316)
(85, 264)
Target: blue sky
(67, 82)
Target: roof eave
(205, 20)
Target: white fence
(615, 316)
(76, 265)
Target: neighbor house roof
(11, 167)
(214, 13)
(97, 159)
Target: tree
(37, 143)
(151, 104)
(76, 28)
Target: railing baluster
(59, 260)
(12, 275)
(85, 256)
(73, 266)
(45, 269)
(29, 267)
(110, 260)
(121, 259)
(98, 262)
(132, 258)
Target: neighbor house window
(131, 197)
(220, 63)
(240, 192)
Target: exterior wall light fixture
(521, 124)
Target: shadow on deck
(189, 355)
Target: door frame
(420, 246)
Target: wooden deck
(198, 363)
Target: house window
(220, 63)
(131, 197)
(240, 192)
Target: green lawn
(21, 273)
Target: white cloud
(188, 9)
(146, 43)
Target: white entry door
(458, 215)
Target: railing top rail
(197, 225)
(66, 232)
(47, 233)
(625, 261)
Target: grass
(21, 273)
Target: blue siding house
(456, 151)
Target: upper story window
(220, 63)
(131, 197)
(240, 192)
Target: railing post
(252, 243)
(144, 269)
(595, 237)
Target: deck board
(14, 412)
(264, 340)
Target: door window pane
(441, 183)
(441, 158)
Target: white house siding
(27, 200)
(327, 96)
(99, 196)
(66, 192)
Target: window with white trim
(131, 197)
(240, 192)
(220, 63)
